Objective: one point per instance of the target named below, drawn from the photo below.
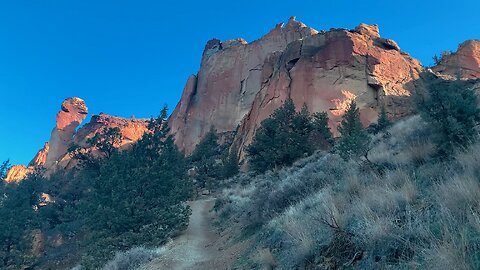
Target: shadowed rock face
(464, 63)
(73, 112)
(241, 84)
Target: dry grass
(327, 213)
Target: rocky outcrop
(17, 173)
(73, 112)
(464, 63)
(240, 84)
(230, 76)
(40, 158)
(54, 155)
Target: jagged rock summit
(73, 111)
(239, 84)
(464, 63)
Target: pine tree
(137, 197)
(322, 137)
(354, 140)
(4, 169)
(205, 158)
(106, 141)
(281, 139)
(230, 165)
(383, 122)
(451, 110)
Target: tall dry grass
(325, 213)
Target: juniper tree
(354, 140)
(450, 108)
(205, 158)
(383, 122)
(281, 139)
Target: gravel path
(194, 246)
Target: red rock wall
(224, 89)
(241, 84)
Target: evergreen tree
(322, 137)
(354, 140)
(205, 158)
(138, 196)
(451, 110)
(17, 221)
(4, 167)
(230, 165)
(106, 141)
(281, 139)
(383, 122)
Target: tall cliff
(230, 77)
(239, 84)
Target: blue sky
(129, 57)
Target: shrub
(354, 140)
(131, 259)
(286, 136)
(450, 108)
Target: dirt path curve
(194, 246)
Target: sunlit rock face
(54, 155)
(17, 172)
(41, 157)
(239, 84)
(464, 63)
(73, 112)
(131, 130)
(230, 76)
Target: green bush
(354, 140)
(450, 108)
(287, 136)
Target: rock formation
(73, 112)
(54, 155)
(17, 173)
(464, 63)
(230, 76)
(240, 84)
(41, 157)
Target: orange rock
(17, 173)
(40, 158)
(241, 84)
(54, 156)
(73, 112)
(230, 76)
(464, 63)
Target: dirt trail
(194, 247)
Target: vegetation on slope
(397, 204)
(118, 201)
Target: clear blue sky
(129, 57)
